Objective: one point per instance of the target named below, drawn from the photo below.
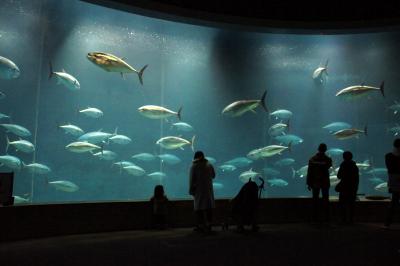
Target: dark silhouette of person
(392, 161)
(244, 206)
(318, 180)
(201, 188)
(349, 178)
(159, 208)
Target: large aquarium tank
(99, 104)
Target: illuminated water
(199, 69)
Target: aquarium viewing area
(99, 103)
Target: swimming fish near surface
(134, 170)
(81, 147)
(336, 126)
(172, 142)
(358, 91)
(11, 162)
(382, 187)
(112, 63)
(169, 159)
(72, 129)
(240, 107)
(350, 133)
(289, 138)
(8, 69)
(227, 168)
(284, 162)
(217, 185)
(281, 114)
(145, 157)
(4, 116)
(96, 137)
(64, 185)
(319, 73)
(267, 151)
(278, 129)
(105, 155)
(92, 112)
(20, 200)
(157, 176)
(250, 174)
(277, 182)
(120, 139)
(20, 145)
(17, 130)
(158, 112)
(239, 162)
(37, 168)
(334, 152)
(302, 172)
(65, 79)
(182, 126)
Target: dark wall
(23, 222)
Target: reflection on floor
(275, 244)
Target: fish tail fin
(180, 113)
(193, 139)
(326, 63)
(293, 173)
(7, 143)
(140, 74)
(115, 131)
(264, 106)
(366, 130)
(382, 88)
(50, 70)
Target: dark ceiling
(300, 15)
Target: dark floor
(275, 244)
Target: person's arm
(212, 171)
(191, 182)
(340, 173)
(309, 175)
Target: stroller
(244, 206)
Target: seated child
(159, 208)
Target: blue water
(200, 69)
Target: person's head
(396, 143)
(198, 155)
(322, 148)
(347, 156)
(158, 191)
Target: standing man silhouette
(318, 180)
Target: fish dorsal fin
(63, 70)
(100, 130)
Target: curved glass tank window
(95, 133)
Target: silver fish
(350, 133)
(8, 69)
(172, 142)
(158, 112)
(65, 79)
(240, 107)
(64, 185)
(112, 63)
(358, 91)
